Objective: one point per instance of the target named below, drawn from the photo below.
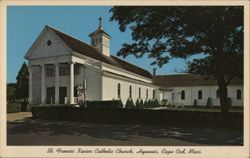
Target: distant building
(61, 67)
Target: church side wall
(191, 93)
(110, 89)
(93, 83)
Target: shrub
(145, 104)
(164, 102)
(105, 104)
(209, 102)
(129, 103)
(13, 107)
(195, 103)
(155, 103)
(139, 103)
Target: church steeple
(100, 39)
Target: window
(100, 39)
(63, 70)
(75, 91)
(49, 42)
(130, 91)
(139, 92)
(146, 93)
(92, 42)
(49, 71)
(153, 94)
(238, 94)
(119, 90)
(199, 94)
(218, 93)
(76, 69)
(182, 95)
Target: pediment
(48, 44)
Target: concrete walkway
(18, 116)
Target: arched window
(182, 95)
(146, 93)
(218, 93)
(130, 91)
(139, 92)
(238, 94)
(153, 94)
(199, 94)
(119, 90)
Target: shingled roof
(92, 52)
(187, 80)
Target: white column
(57, 83)
(43, 93)
(71, 84)
(30, 85)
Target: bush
(145, 104)
(209, 102)
(105, 104)
(155, 103)
(14, 107)
(129, 103)
(139, 103)
(195, 103)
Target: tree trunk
(223, 94)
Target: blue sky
(24, 24)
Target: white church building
(63, 70)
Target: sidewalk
(18, 116)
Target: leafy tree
(170, 32)
(11, 91)
(22, 85)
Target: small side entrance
(50, 97)
(62, 94)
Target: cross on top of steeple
(100, 22)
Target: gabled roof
(187, 80)
(92, 52)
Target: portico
(48, 73)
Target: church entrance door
(50, 98)
(62, 94)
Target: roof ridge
(130, 63)
(72, 37)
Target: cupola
(101, 40)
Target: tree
(11, 91)
(170, 32)
(22, 85)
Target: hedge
(139, 116)
(105, 104)
(16, 107)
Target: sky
(25, 23)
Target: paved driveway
(23, 130)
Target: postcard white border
(40, 151)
